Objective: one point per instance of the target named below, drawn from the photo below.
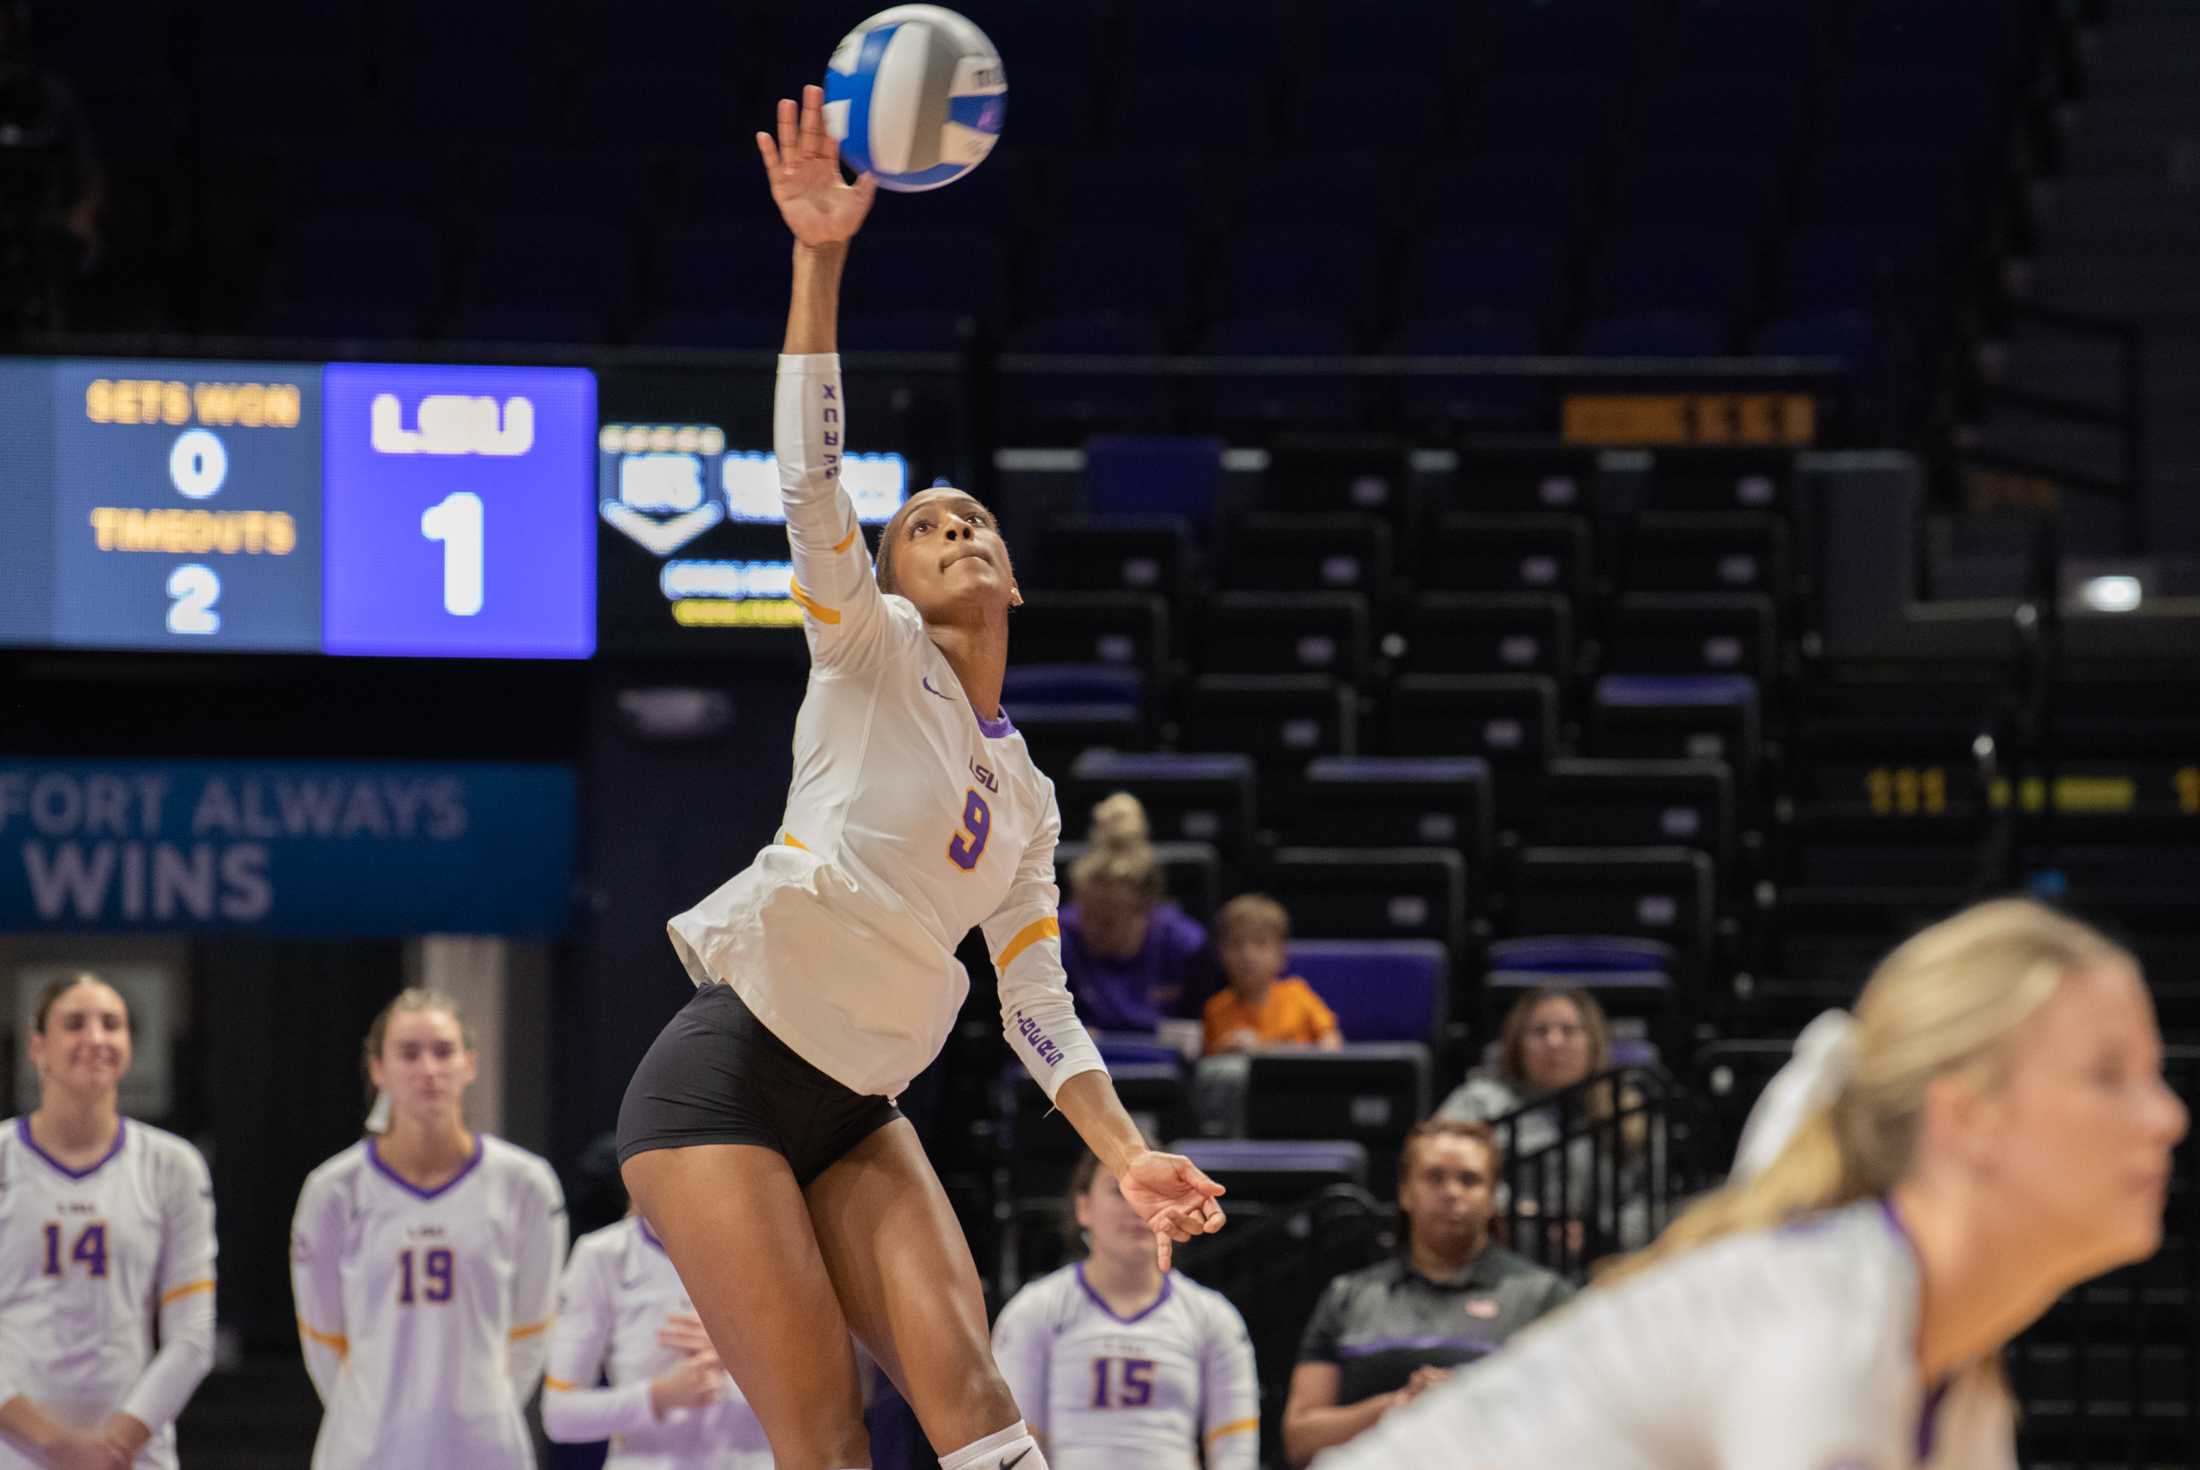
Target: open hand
(1173, 1197)
(804, 170)
(683, 1333)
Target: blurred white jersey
(619, 1290)
(1150, 1390)
(1785, 1349)
(910, 820)
(88, 1259)
(425, 1315)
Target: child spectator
(1262, 1006)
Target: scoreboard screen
(694, 542)
(349, 508)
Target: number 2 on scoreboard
(193, 590)
(456, 521)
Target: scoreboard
(349, 508)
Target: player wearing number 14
(105, 1224)
(424, 1260)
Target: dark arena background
(1669, 495)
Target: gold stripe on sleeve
(1239, 1427)
(531, 1328)
(189, 1288)
(810, 605)
(793, 841)
(849, 539)
(334, 1340)
(1029, 935)
(558, 1385)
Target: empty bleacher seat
(1380, 989)
(1366, 474)
(1064, 708)
(1044, 1148)
(1371, 1093)
(1509, 720)
(1694, 552)
(1679, 717)
(1148, 553)
(1488, 633)
(1282, 720)
(1337, 552)
(1634, 976)
(1189, 798)
(1286, 633)
(1394, 801)
(1507, 553)
(1127, 629)
(1617, 803)
(1694, 633)
(1272, 1172)
(1372, 893)
(1721, 479)
(1530, 481)
(1661, 893)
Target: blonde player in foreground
(1116, 1363)
(759, 1137)
(424, 1260)
(106, 1226)
(1917, 1187)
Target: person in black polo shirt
(1381, 1336)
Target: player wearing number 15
(105, 1225)
(425, 1260)
(759, 1137)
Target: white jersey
(910, 820)
(619, 1290)
(1152, 1390)
(425, 1315)
(1783, 1349)
(88, 1259)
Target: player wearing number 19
(424, 1260)
(105, 1225)
(759, 1137)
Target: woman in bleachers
(1114, 1362)
(1133, 957)
(1382, 1336)
(1556, 1038)
(1925, 1180)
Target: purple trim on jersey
(23, 1131)
(649, 1234)
(1928, 1420)
(994, 729)
(375, 1158)
(1167, 1284)
(1421, 1344)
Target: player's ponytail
(1945, 1003)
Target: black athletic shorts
(716, 1074)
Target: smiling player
(759, 1137)
(108, 1228)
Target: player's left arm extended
(186, 1303)
(1025, 937)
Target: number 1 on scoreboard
(456, 521)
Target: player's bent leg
(734, 1222)
(906, 1281)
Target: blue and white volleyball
(915, 95)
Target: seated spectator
(1116, 1363)
(1555, 1038)
(1382, 1336)
(1263, 1006)
(1130, 954)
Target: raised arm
(843, 613)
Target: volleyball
(915, 96)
